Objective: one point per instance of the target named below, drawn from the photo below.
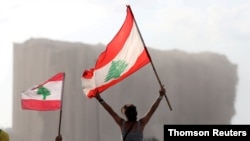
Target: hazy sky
(220, 26)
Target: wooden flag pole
(161, 85)
(59, 136)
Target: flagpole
(151, 61)
(60, 118)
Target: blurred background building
(201, 88)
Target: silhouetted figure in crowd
(59, 138)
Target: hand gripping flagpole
(59, 136)
(161, 85)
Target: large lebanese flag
(124, 55)
(44, 97)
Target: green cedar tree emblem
(43, 91)
(117, 67)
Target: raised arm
(152, 109)
(113, 114)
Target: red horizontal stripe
(39, 105)
(57, 77)
(117, 43)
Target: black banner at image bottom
(206, 131)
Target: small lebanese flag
(46, 96)
(124, 55)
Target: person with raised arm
(131, 127)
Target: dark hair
(129, 110)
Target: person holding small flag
(131, 128)
(59, 138)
